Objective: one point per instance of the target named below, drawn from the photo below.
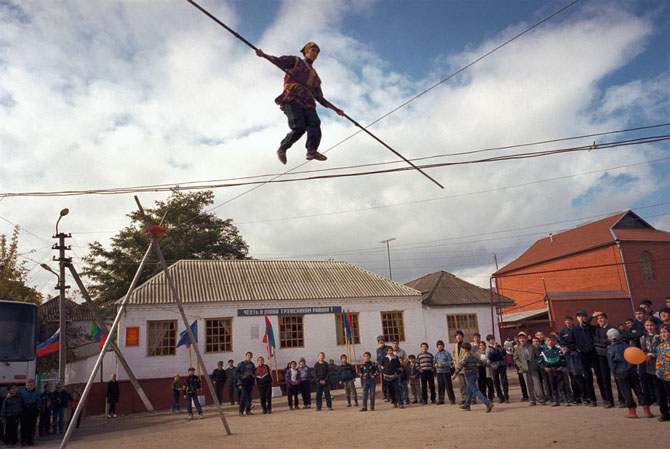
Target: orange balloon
(634, 356)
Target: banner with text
(289, 311)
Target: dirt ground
(445, 426)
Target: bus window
(17, 332)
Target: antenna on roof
(551, 237)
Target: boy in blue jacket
(552, 362)
(31, 409)
(443, 364)
(347, 374)
(625, 374)
(575, 372)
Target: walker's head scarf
(309, 45)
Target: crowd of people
(551, 369)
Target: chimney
(551, 237)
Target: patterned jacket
(649, 344)
(663, 362)
(469, 364)
(301, 74)
(369, 371)
(551, 358)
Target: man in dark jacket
(581, 338)
(321, 377)
(245, 374)
(219, 379)
(601, 343)
(31, 408)
(230, 380)
(113, 394)
(192, 387)
(564, 334)
(381, 353)
(390, 368)
(496, 357)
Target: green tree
(192, 233)
(13, 273)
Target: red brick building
(609, 265)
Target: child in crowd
(305, 378)
(59, 401)
(390, 367)
(468, 365)
(649, 343)
(663, 372)
(443, 364)
(230, 381)
(457, 353)
(32, 405)
(191, 388)
(264, 385)
(575, 371)
(47, 410)
(526, 362)
(426, 368)
(485, 374)
(543, 383)
(333, 374)
(496, 355)
(347, 374)
(369, 373)
(322, 375)
(403, 379)
(552, 362)
(292, 378)
(625, 374)
(176, 389)
(10, 413)
(413, 377)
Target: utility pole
(62, 312)
(388, 254)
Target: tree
(13, 273)
(192, 233)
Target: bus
(18, 321)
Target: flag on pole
(269, 338)
(97, 334)
(49, 346)
(184, 338)
(346, 320)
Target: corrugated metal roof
(445, 289)
(266, 280)
(520, 316)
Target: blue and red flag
(184, 338)
(50, 346)
(346, 320)
(97, 334)
(269, 338)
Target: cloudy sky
(127, 93)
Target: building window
(162, 337)
(219, 333)
(467, 323)
(393, 327)
(646, 265)
(355, 329)
(291, 333)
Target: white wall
(319, 332)
(436, 322)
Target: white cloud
(129, 93)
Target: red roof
(624, 226)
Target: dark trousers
(369, 386)
(218, 388)
(11, 429)
(648, 385)
(45, 421)
(500, 383)
(28, 423)
(306, 391)
(394, 392)
(265, 393)
(629, 382)
(292, 393)
(231, 392)
(323, 390)
(590, 363)
(606, 379)
(300, 120)
(427, 381)
(578, 387)
(192, 398)
(175, 400)
(444, 383)
(112, 406)
(245, 396)
(522, 384)
(663, 391)
(556, 380)
(385, 389)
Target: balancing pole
(364, 129)
(180, 306)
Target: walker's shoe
(200, 416)
(241, 415)
(316, 155)
(465, 408)
(607, 404)
(281, 154)
(363, 409)
(555, 404)
(664, 418)
(532, 404)
(489, 407)
(190, 417)
(632, 413)
(647, 412)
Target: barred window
(393, 326)
(161, 337)
(646, 266)
(355, 329)
(291, 333)
(467, 323)
(219, 334)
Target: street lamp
(63, 213)
(62, 319)
(388, 254)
